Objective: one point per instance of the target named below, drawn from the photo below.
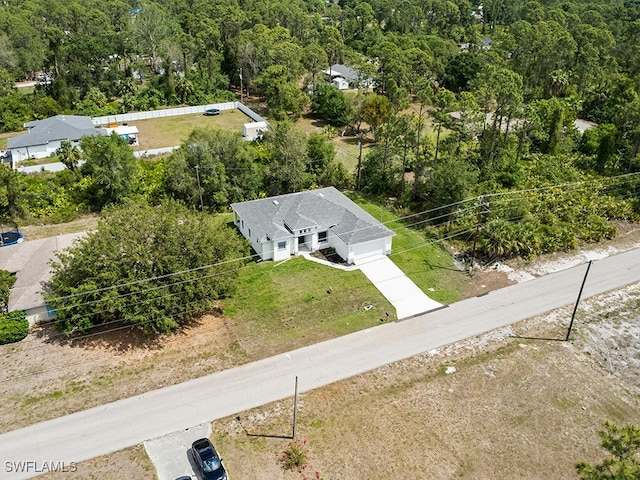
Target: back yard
(172, 131)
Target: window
(322, 236)
(282, 245)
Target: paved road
(133, 420)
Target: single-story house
(128, 132)
(31, 263)
(286, 225)
(44, 137)
(340, 74)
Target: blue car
(208, 460)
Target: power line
(399, 219)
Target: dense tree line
(215, 165)
(470, 98)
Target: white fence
(154, 151)
(59, 166)
(172, 112)
(130, 117)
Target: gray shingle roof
(60, 127)
(339, 70)
(274, 218)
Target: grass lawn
(282, 306)
(347, 149)
(171, 131)
(5, 136)
(427, 264)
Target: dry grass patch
(35, 232)
(47, 376)
(128, 463)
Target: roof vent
(275, 202)
(321, 194)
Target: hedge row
(14, 326)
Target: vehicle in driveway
(208, 460)
(211, 111)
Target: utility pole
(483, 210)
(295, 409)
(199, 189)
(573, 315)
(241, 89)
(359, 163)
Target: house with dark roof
(286, 225)
(44, 137)
(343, 77)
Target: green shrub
(14, 326)
(295, 455)
(6, 282)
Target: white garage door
(368, 250)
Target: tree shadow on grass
(262, 435)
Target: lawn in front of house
(280, 306)
(424, 261)
(172, 131)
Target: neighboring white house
(286, 225)
(31, 263)
(44, 137)
(344, 77)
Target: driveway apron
(396, 287)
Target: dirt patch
(108, 467)
(46, 376)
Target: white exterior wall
(252, 131)
(360, 251)
(314, 244)
(37, 151)
(340, 83)
(244, 229)
(265, 250)
(341, 248)
(284, 253)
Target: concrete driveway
(170, 453)
(403, 294)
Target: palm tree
(184, 89)
(69, 154)
(559, 82)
